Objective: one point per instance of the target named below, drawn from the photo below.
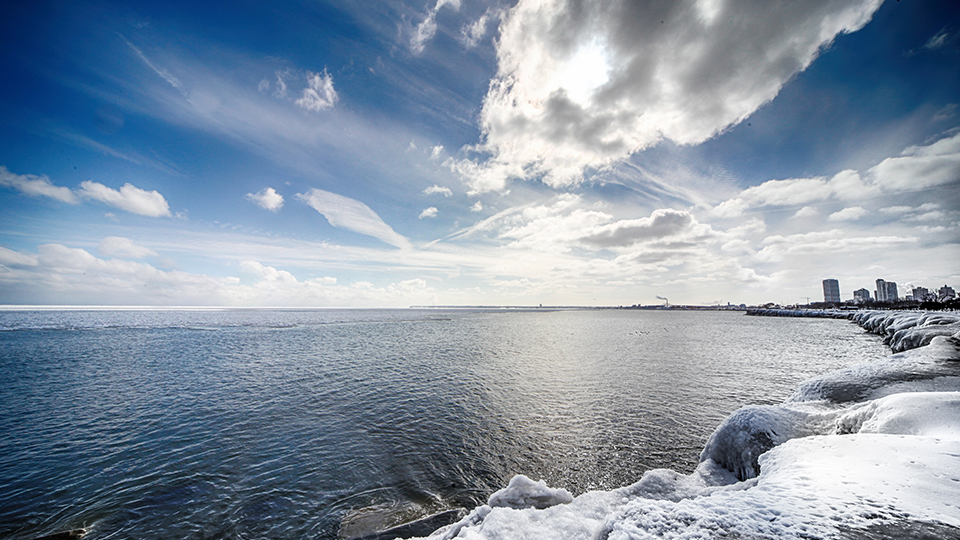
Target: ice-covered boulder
(523, 492)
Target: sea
(334, 424)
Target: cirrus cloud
(351, 214)
(319, 93)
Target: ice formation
(864, 452)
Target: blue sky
(361, 154)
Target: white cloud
(268, 273)
(477, 207)
(852, 213)
(118, 246)
(162, 72)
(471, 34)
(445, 191)
(807, 211)
(428, 213)
(777, 247)
(281, 90)
(939, 40)
(129, 198)
(436, 151)
(63, 275)
(346, 213)
(428, 27)
(319, 94)
(662, 223)
(565, 223)
(267, 198)
(584, 85)
(36, 186)
(946, 113)
(8, 257)
(918, 167)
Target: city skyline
(476, 153)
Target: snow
(874, 445)
(523, 492)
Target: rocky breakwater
(871, 451)
(905, 330)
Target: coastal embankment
(868, 451)
(901, 330)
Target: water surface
(318, 423)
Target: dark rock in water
(421, 527)
(65, 535)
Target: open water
(335, 423)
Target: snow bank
(874, 447)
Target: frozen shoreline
(870, 451)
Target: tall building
(831, 291)
(892, 292)
(861, 296)
(886, 291)
(881, 291)
(920, 294)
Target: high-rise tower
(831, 291)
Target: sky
(456, 152)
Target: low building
(946, 293)
(861, 296)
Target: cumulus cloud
(428, 213)
(428, 27)
(564, 223)
(36, 186)
(268, 273)
(8, 257)
(118, 246)
(582, 85)
(807, 211)
(852, 213)
(128, 197)
(445, 191)
(267, 198)
(920, 167)
(353, 215)
(477, 207)
(66, 275)
(917, 167)
(661, 224)
(319, 93)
